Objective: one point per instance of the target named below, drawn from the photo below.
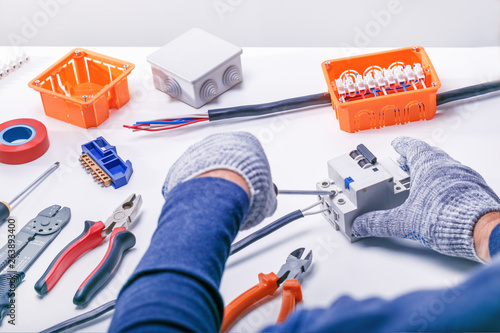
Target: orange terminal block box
(81, 87)
(382, 89)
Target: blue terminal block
(100, 159)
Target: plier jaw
(124, 215)
(294, 266)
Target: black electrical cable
(271, 227)
(324, 98)
(81, 319)
(467, 92)
(267, 108)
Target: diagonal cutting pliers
(94, 233)
(289, 275)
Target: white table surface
(298, 145)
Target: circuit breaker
(361, 183)
(196, 67)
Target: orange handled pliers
(290, 273)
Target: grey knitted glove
(240, 152)
(446, 200)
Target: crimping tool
(289, 274)
(25, 247)
(93, 234)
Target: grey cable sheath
(303, 192)
(267, 108)
(467, 92)
(272, 227)
(81, 319)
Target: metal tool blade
(295, 266)
(124, 215)
(35, 183)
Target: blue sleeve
(494, 241)
(175, 286)
(473, 305)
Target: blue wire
(158, 122)
(378, 90)
(374, 93)
(166, 122)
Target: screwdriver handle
(4, 211)
(87, 240)
(120, 241)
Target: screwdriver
(301, 192)
(5, 207)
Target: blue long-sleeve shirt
(175, 286)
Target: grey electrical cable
(268, 108)
(270, 228)
(316, 212)
(311, 206)
(467, 92)
(81, 319)
(304, 192)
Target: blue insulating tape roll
(17, 135)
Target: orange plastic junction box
(382, 89)
(81, 87)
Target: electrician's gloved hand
(240, 152)
(446, 200)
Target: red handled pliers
(93, 234)
(290, 273)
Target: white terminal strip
(14, 64)
(359, 183)
(380, 80)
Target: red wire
(166, 126)
(138, 126)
